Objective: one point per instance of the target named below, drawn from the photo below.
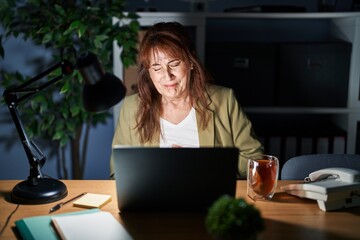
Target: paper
(92, 200)
(98, 225)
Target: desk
(286, 217)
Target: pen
(59, 205)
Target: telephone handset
(343, 174)
(333, 188)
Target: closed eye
(157, 69)
(174, 63)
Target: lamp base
(45, 190)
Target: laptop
(173, 179)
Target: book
(41, 227)
(97, 225)
(92, 200)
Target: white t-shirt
(183, 134)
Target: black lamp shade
(103, 94)
(101, 90)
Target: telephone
(344, 174)
(333, 188)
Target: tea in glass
(262, 176)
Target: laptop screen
(173, 179)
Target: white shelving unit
(343, 25)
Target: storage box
(248, 68)
(314, 74)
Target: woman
(176, 106)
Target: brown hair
(173, 39)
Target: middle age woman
(176, 104)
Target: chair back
(299, 167)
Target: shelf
(284, 15)
(300, 110)
(305, 15)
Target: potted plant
(85, 25)
(231, 218)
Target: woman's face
(170, 76)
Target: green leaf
(43, 30)
(67, 32)
(101, 37)
(97, 43)
(65, 88)
(59, 125)
(29, 132)
(134, 26)
(70, 125)
(133, 15)
(75, 109)
(43, 107)
(74, 25)
(81, 30)
(64, 141)
(58, 135)
(60, 10)
(47, 38)
(51, 119)
(65, 114)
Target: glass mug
(262, 176)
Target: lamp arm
(66, 69)
(38, 77)
(35, 156)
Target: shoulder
(129, 105)
(131, 100)
(217, 92)
(222, 99)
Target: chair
(299, 167)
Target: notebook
(173, 179)
(40, 227)
(96, 225)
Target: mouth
(173, 85)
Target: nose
(169, 74)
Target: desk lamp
(101, 91)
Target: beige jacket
(228, 127)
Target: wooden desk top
(286, 217)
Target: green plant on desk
(231, 218)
